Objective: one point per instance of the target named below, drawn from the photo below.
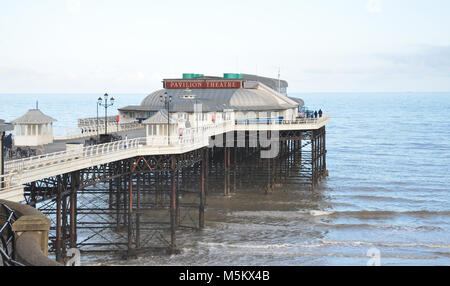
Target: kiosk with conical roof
(160, 130)
(33, 129)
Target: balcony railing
(269, 121)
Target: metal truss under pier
(139, 204)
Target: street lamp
(167, 100)
(188, 95)
(105, 104)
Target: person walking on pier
(315, 114)
(320, 113)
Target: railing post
(201, 215)
(173, 206)
(40, 225)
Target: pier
(135, 194)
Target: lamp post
(167, 100)
(188, 95)
(105, 104)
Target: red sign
(202, 84)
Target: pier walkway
(28, 170)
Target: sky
(97, 46)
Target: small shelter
(33, 129)
(158, 128)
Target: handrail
(91, 130)
(281, 121)
(93, 120)
(8, 242)
(18, 166)
(7, 182)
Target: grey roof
(160, 117)
(219, 99)
(270, 82)
(33, 116)
(135, 108)
(299, 100)
(5, 126)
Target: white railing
(21, 165)
(9, 181)
(93, 121)
(91, 130)
(306, 120)
(282, 121)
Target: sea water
(388, 190)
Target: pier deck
(57, 160)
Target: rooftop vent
(232, 76)
(192, 75)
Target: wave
(314, 213)
(330, 254)
(322, 243)
(384, 244)
(393, 227)
(259, 246)
(366, 213)
(320, 213)
(386, 199)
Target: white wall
(33, 134)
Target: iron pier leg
(125, 201)
(118, 191)
(73, 208)
(268, 187)
(58, 242)
(235, 168)
(201, 216)
(325, 152)
(173, 209)
(206, 174)
(178, 210)
(138, 215)
(225, 162)
(130, 213)
(313, 160)
(110, 191)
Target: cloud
(374, 6)
(74, 6)
(423, 60)
(415, 61)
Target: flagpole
(279, 82)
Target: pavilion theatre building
(196, 99)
